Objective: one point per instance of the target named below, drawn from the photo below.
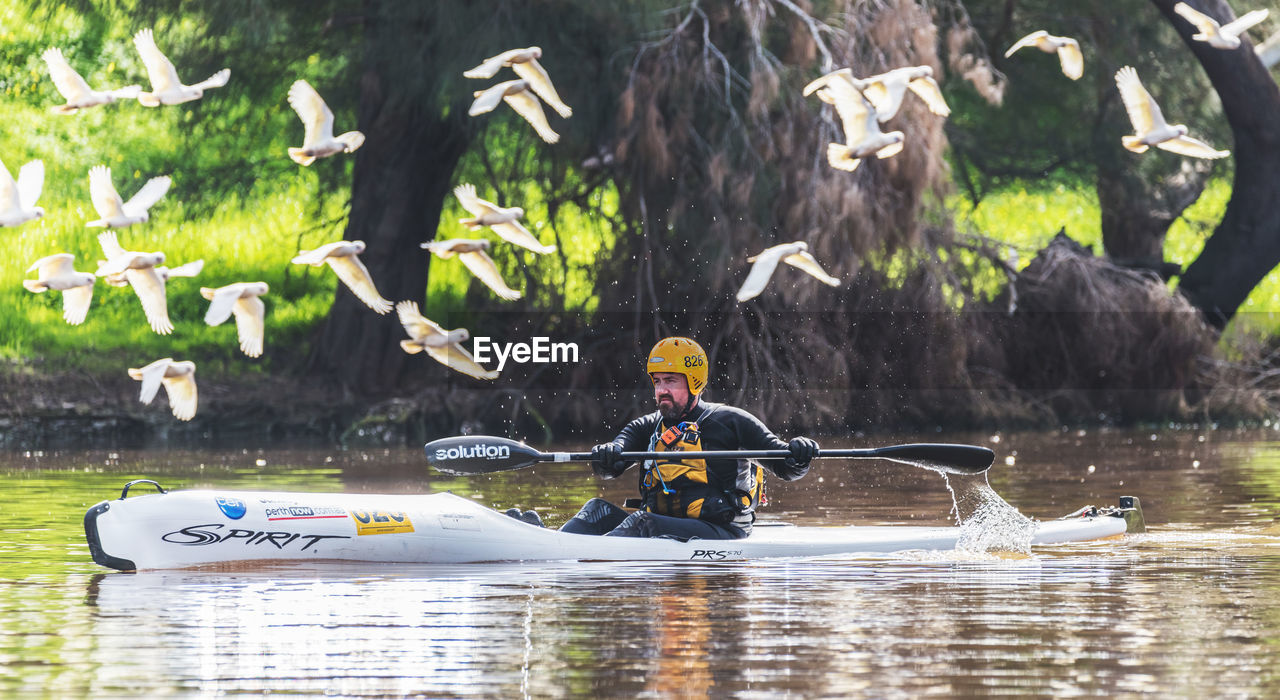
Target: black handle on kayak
(483, 454)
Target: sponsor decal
(293, 511)
(213, 533)
(231, 507)
(381, 522)
(540, 351)
(459, 521)
(656, 360)
(716, 554)
(486, 451)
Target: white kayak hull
(183, 529)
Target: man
(684, 499)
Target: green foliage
(237, 201)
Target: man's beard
(671, 411)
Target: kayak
(181, 529)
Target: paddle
(482, 454)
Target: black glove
(803, 450)
(606, 460)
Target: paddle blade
(479, 454)
(951, 459)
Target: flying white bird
(862, 134)
(504, 222)
(18, 199)
(515, 93)
(319, 141)
(242, 300)
(472, 254)
(1150, 128)
(525, 63)
(795, 254)
(342, 256)
(1068, 50)
(887, 90)
(116, 213)
(179, 380)
(443, 346)
(139, 269)
(75, 90)
(1219, 36)
(58, 272)
(166, 88)
(190, 269)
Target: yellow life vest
(686, 488)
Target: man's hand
(606, 460)
(803, 450)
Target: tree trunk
(400, 181)
(1246, 244)
(1137, 213)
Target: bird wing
(182, 395)
(885, 95)
(30, 183)
(149, 287)
(150, 193)
(110, 245)
(216, 80)
(415, 324)
(190, 269)
(1143, 111)
(315, 114)
(75, 303)
(843, 75)
(540, 83)
(106, 200)
(221, 301)
(159, 69)
(1187, 146)
(805, 261)
(491, 65)
(467, 197)
(150, 376)
(250, 324)
(65, 78)
(1071, 59)
(9, 198)
(1242, 23)
(526, 104)
(488, 98)
(483, 267)
(765, 263)
(456, 358)
(515, 232)
(928, 90)
(851, 107)
(55, 265)
(1028, 40)
(1203, 22)
(356, 276)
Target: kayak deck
(183, 529)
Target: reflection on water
(1189, 609)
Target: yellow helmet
(682, 356)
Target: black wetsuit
(714, 500)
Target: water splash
(987, 522)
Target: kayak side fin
(95, 543)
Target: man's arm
(633, 438)
(754, 435)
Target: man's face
(671, 392)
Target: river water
(1190, 609)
